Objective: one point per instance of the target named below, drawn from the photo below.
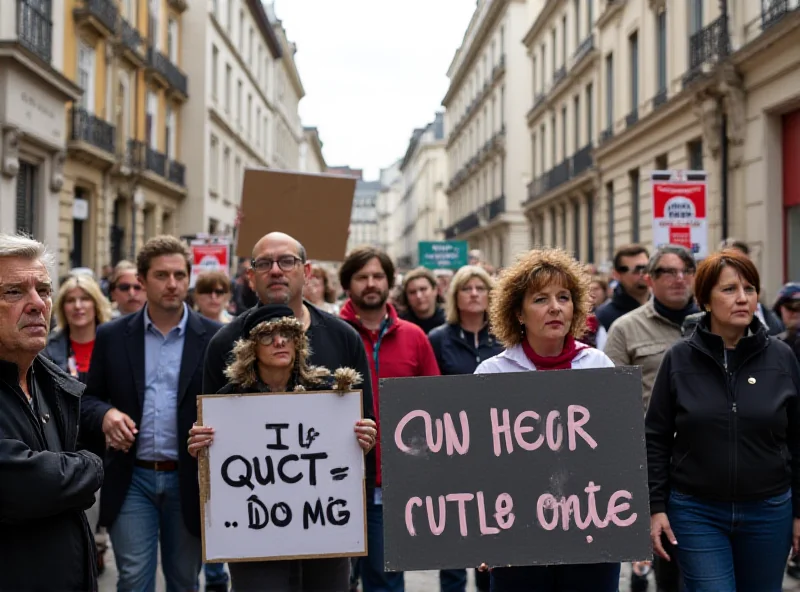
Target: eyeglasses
(268, 338)
(216, 292)
(672, 272)
(478, 289)
(638, 270)
(129, 287)
(285, 263)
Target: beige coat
(640, 338)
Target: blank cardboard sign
(314, 209)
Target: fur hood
(242, 371)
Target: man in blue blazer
(141, 395)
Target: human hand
(119, 429)
(366, 434)
(659, 524)
(200, 437)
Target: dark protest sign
(284, 478)
(523, 468)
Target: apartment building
(124, 178)
(422, 211)
(390, 194)
(560, 199)
(364, 216)
(488, 151)
(34, 94)
(311, 159)
(233, 54)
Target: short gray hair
(22, 246)
(682, 252)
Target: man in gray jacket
(45, 484)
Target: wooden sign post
(284, 478)
(528, 468)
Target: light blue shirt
(158, 431)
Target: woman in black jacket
(723, 440)
(459, 346)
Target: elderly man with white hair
(45, 483)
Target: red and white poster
(212, 254)
(680, 213)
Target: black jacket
(45, 540)
(334, 344)
(455, 348)
(116, 380)
(436, 320)
(725, 427)
(619, 304)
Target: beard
(372, 304)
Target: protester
(443, 279)
(419, 293)
(126, 291)
(272, 356)
(244, 298)
(141, 393)
(45, 483)
(319, 291)
(770, 320)
(630, 265)
(787, 307)
(538, 310)
(105, 280)
(723, 440)
(466, 341)
(212, 292)
(396, 348)
(598, 291)
(595, 334)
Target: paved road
(420, 581)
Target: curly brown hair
(533, 271)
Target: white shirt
(514, 360)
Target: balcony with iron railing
(607, 134)
(98, 12)
(140, 157)
(708, 46)
(582, 160)
(89, 128)
(177, 173)
(559, 75)
(632, 117)
(155, 161)
(660, 98)
(568, 169)
(465, 224)
(161, 64)
(584, 49)
(130, 38)
(497, 207)
(773, 11)
(35, 28)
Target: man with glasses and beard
(396, 349)
(630, 265)
(642, 337)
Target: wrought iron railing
(162, 64)
(177, 173)
(130, 37)
(91, 129)
(104, 11)
(35, 27)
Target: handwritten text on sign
(286, 477)
(523, 469)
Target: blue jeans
(593, 577)
(151, 513)
(376, 580)
(215, 573)
(731, 547)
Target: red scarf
(562, 361)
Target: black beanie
(266, 313)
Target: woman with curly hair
(538, 311)
(272, 356)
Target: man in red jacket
(395, 349)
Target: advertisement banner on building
(209, 254)
(680, 212)
(443, 254)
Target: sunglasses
(792, 306)
(269, 337)
(129, 287)
(638, 270)
(217, 292)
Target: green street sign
(443, 254)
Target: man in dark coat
(45, 484)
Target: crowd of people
(98, 419)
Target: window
(535, 79)
(542, 150)
(250, 115)
(250, 51)
(564, 227)
(534, 148)
(152, 23)
(171, 134)
(576, 229)
(213, 163)
(123, 120)
(661, 51)
(633, 49)
(239, 104)
(696, 155)
(86, 76)
(564, 132)
(610, 91)
(633, 179)
(215, 8)
(258, 126)
(544, 64)
(241, 31)
(260, 64)
(576, 118)
(564, 40)
(226, 173)
(589, 113)
(553, 137)
(610, 218)
(502, 106)
(590, 229)
(172, 40)
(214, 69)
(27, 190)
(577, 6)
(502, 41)
(553, 228)
(237, 180)
(229, 20)
(589, 16)
(228, 82)
(695, 11)
(151, 120)
(661, 163)
(129, 8)
(553, 35)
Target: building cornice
(257, 8)
(66, 88)
(475, 43)
(312, 134)
(541, 21)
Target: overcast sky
(373, 70)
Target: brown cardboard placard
(314, 209)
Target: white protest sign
(284, 478)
